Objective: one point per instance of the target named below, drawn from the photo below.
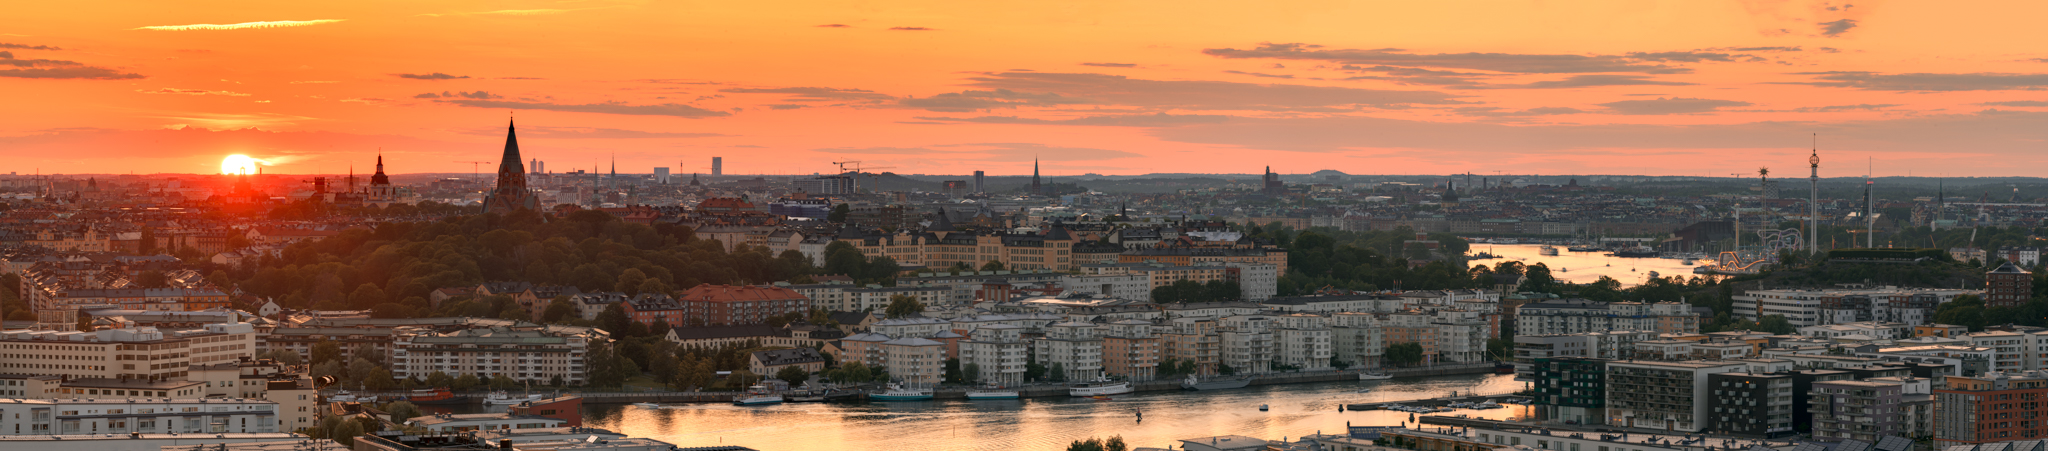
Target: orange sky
(1588, 87)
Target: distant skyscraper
(533, 164)
(540, 166)
(511, 193)
(977, 182)
(661, 175)
(717, 165)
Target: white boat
(646, 405)
(1374, 377)
(1262, 407)
(500, 398)
(991, 392)
(1547, 250)
(345, 396)
(757, 395)
(897, 392)
(1099, 388)
(1196, 383)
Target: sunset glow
(238, 165)
(1600, 87)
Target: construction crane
(476, 171)
(858, 170)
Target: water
(1585, 267)
(1044, 423)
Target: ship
(991, 392)
(844, 395)
(757, 395)
(1584, 249)
(345, 396)
(436, 395)
(898, 392)
(1636, 252)
(1100, 387)
(1374, 376)
(1196, 383)
(501, 398)
(1547, 250)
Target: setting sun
(239, 164)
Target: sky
(1948, 89)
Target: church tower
(511, 193)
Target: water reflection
(1585, 267)
(1042, 423)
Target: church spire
(511, 193)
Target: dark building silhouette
(1272, 183)
(1035, 187)
(511, 193)
(2007, 286)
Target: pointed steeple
(1035, 187)
(379, 178)
(511, 193)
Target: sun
(239, 164)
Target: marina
(1148, 418)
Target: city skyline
(1124, 89)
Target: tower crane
(475, 171)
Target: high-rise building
(1751, 404)
(977, 183)
(717, 165)
(511, 193)
(2007, 286)
(661, 175)
(1988, 409)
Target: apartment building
(1596, 345)
(535, 356)
(144, 353)
(1134, 287)
(1661, 395)
(914, 361)
(1912, 306)
(1571, 316)
(733, 305)
(1303, 341)
(1356, 340)
(144, 416)
(1247, 343)
(1131, 350)
(998, 352)
(1072, 347)
(1191, 339)
(1997, 407)
(1750, 404)
(1570, 389)
(301, 340)
(1856, 410)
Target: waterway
(1046, 423)
(1585, 267)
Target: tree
(1092, 444)
(1225, 369)
(401, 411)
(1115, 443)
(794, 375)
(558, 310)
(1776, 324)
(1405, 353)
(1033, 371)
(345, 432)
(360, 371)
(326, 351)
(440, 379)
(1538, 278)
(503, 382)
(971, 372)
(992, 265)
(839, 214)
(902, 305)
(951, 371)
(286, 357)
(466, 382)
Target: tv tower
(1813, 203)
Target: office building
(140, 353)
(661, 175)
(978, 187)
(138, 416)
(717, 165)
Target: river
(1584, 267)
(1044, 423)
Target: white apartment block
(1572, 316)
(1870, 329)
(145, 416)
(1461, 336)
(1247, 343)
(914, 326)
(1597, 345)
(145, 353)
(535, 356)
(998, 352)
(1357, 339)
(1303, 341)
(916, 362)
(1076, 348)
(1121, 286)
(1255, 281)
(1912, 306)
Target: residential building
(1130, 350)
(721, 305)
(769, 363)
(1356, 340)
(1074, 348)
(1572, 390)
(1247, 343)
(1571, 316)
(1913, 306)
(1661, 395)
(1856, 410)
(1997, 407)
(1750, 404)
(534, 356)
(998, 352)
(1597, 345)
(913, 361)
(142, 353)
(2008, 286)
(78, 416)
(1303, 341)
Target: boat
(1636, 252)
(500, 398)
(1365, 390)
(897, 392)
(1584, 249)
(1564, 270)
(1547, 250)
(805, 396)
(1195, 383)
(345, 396)
(1262, 407)
(1374, 377)
(757, 395)
(1686, 262)
(844, 395)
(991, 392)
(436, 395)
(1100, 387)
(646, 405)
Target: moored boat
(1099, 387)
(757, 395)
(500, 398)
(992, 392)
(1196, 383)
(844, 395)
(436, 395)
(897, 392)
(646, 405)
(1547, 250)
(1374, 376)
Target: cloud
(57, 69)
(1683, 57)
(835, 25)
(1119, 120)
(1080, 88)
(1674, 105)
(1765, 49)
(1110, 64)
(512, 12)
(1836, 28)
(1496, 62)
(459, 95)
(520, 78)
(1499, 112)
(816, 94)
(230, 121)
(998, 152)
(1918, 82)
(665, 109)
(366, 100)
(878, 150)
(1584, 81)
(313, 82)
(432, 76)
(1831, 108)
(1256, 74)
(10, 45)
(911, 29)
(528, 131)
(981, 100)
(191, 92)
(2018, 103)
(240, 26)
